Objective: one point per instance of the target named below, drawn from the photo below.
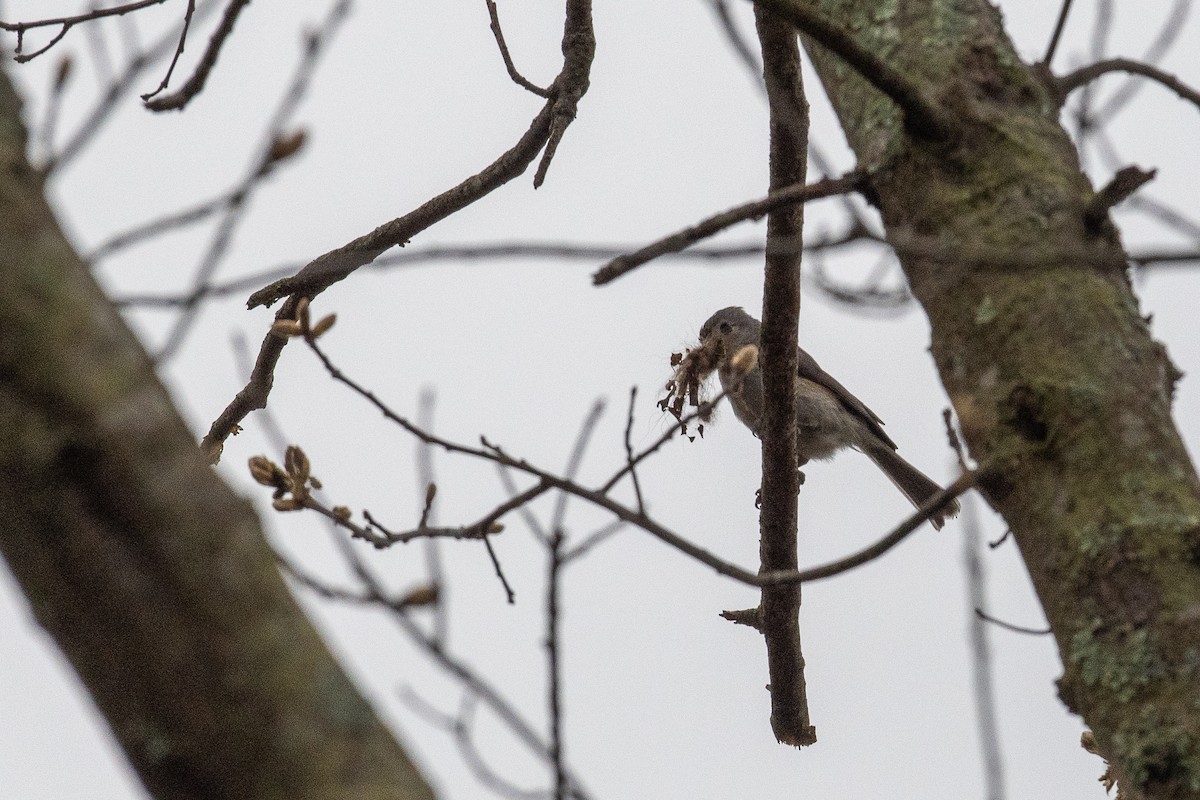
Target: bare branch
(454, 666)
(324, 271)
(586, 429)
(780, 198)
(277, 146)
(157, 227)
(981, 653)
(1085, 75)
(780, 605)
(600, 498)
(107, 103)
(1063, 12)
(738, 43)
(923, 118)
(1124, 183)
(553, 665)
(481, 251)
(66, 23)
(498, 33)
(637, 487)
(426, 479)
(1008, 626)
(187, 24)
(195, 84)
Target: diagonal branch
(778, 198)
(193, 86)
(578, 48)
(923, 118)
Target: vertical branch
(433, 552)
(981, 655)
(780, 609)
(561, 783)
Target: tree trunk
(151, 575)
(1061, 391)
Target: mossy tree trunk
(151, 575)
(1059, 387)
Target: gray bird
(828, 417)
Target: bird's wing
(809, 369)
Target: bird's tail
(912, 483)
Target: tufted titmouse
(828, 417)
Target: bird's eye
(726, 327)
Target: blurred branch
(778, 198)
(470, 252)
(426, 482)
(1063, 13)
(1085, 75)
(324, 271)
(276, 147)
(1168, 33)
(462, 728)
(471, 681)
(107, 102)
(981, 654)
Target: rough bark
(780, 607)
(1059, 387)
(151, 575)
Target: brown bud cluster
(292, 482)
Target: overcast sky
(663, 698)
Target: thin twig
(509, 594)
(600, 498)
(498, 33)
(453, 666)
(1085, 75)
(107, 103)
(637, 487)
(66, 24)
(780, 198)
(195, 84)
(586, 429)
(187, 24)
(1063, 12)
(553, 665)
(1008, 626)
(1168, 33)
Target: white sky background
(663, 698)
